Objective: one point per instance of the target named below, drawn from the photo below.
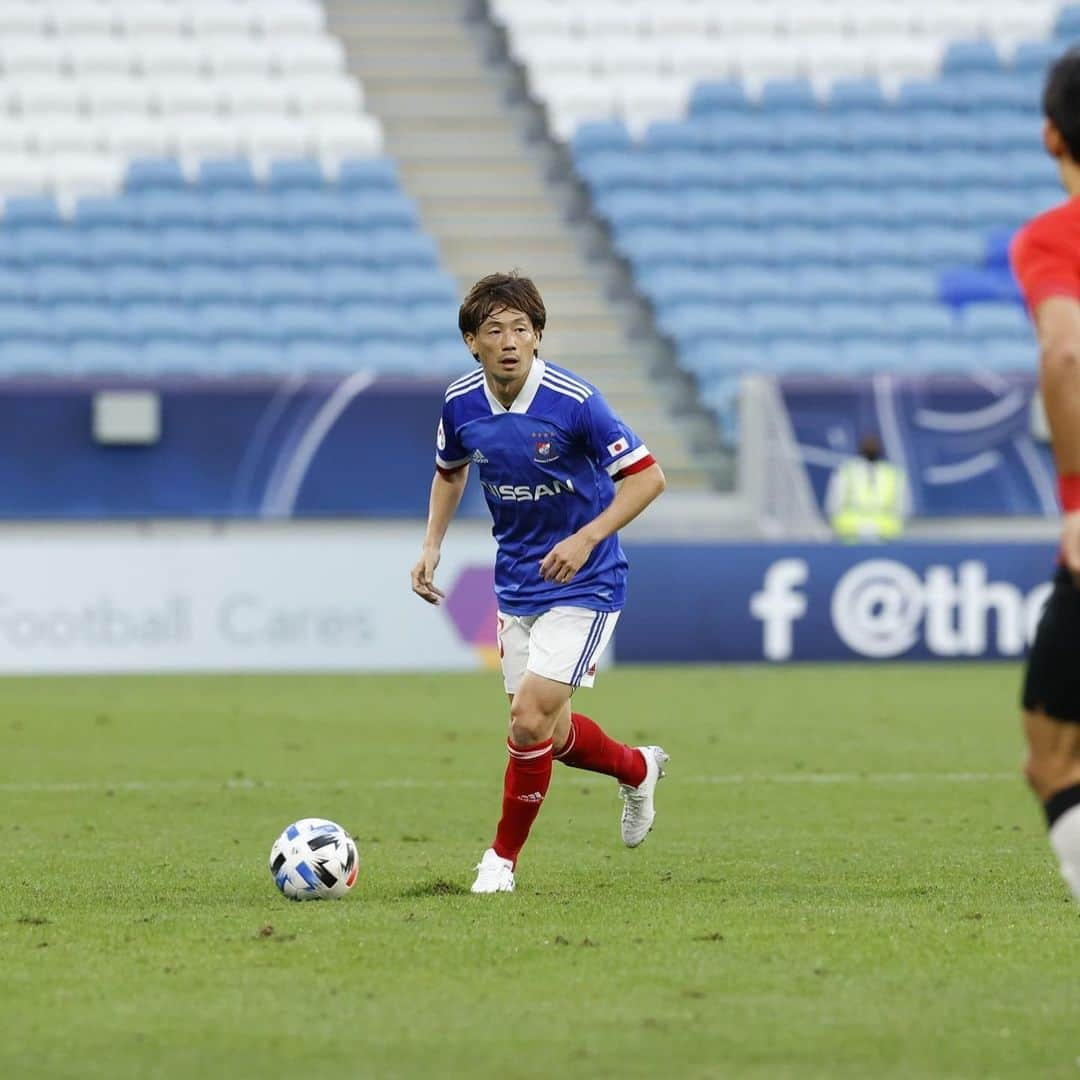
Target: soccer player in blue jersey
(549, 451)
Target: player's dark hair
(1061, 99)
(497, 292)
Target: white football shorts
(562, 644)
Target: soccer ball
(314, 859)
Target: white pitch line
(733, 779)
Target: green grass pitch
(847, 879)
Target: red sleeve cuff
(639, 466)
(1045, 291)
(447, 473)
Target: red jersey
(1045, 255)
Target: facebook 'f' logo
(778, 605)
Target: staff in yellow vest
(868, 498)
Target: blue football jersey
(548, 466)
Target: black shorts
(1052, 684)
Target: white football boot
(639, 810)
(495, 874)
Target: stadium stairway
(434, 74)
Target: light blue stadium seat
(792, 246)
(310, 321)
(405, 247)
(802, 132)
(1015, 91)
(450, 358)
(1011, 355)
(52, 284)
(109, 246)
(675, 171)
(780, 319)
(934, 356)
(928, 95)
(251, 246)
(322, 247)
(750, 285)
(94, 356)
(672, 285)
(726, 247)
(886, 247)
(969, 57)
(871, 355)
(295, 174)
(208, 284)
(381, 210)
(718, 96)
(845, 320)
(430, 322)
(822, 284)
(169, 357)
(388, 356)
(238, 209)
(236, 320)
(725, 133)
(154, 174)
(713, 358)
(994, 210)
(797, 356)
(271, 285)
(664, 135)
(878, 131)
(1067, 24)
(961, 168)
(998, 243)
(936, 246)
(15, 285)
(83, 322)
(97, 211)
(855, 95)
(608, 170)
(643, 208)
(25, 322)
(1034, 57)
(997, 322)
(888, 168)
(945, 131)
(165, 209)
(247, 356)
(365, 322)
(417, 285)
(368, 173)
(787, 96)
(1004, 132)
(194, 244)
(846, 207)
(40, 244)
(32, 356)
(753, 170)
(343, 285)
(819, 169)
(912, 320)
(778, 208)
(919, 206)
(31, 211)
(130, 284)
(597, 136)
(320, 357)
(691, 324)
(149, 321)
(225, 174)
(897, 284)
(658, 247)
(313, 209)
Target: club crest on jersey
(545, 449)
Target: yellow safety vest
(871, 501)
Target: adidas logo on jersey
(478, 458)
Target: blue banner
(966, 443)
(780, 603)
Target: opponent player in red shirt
(1046, 261)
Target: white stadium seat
(203, 136)
(316, 96)
(269, 137)
(347, 136)
(22, 18)
(25, 56)
(65, 134)
(15, 136)
(316, 55)
(297, 19)
(23, 175)
(85, 174)
(185, 96)
(136, 136)
(641, 101)
(218, 20)
(259, 96)
(160, 57)
(78, 18)
(229, 58)
(150, 20)
(117, 95)
(102, 56)
(47, 95)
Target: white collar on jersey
(526, 394)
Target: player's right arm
(447, 487)
(1048, 270)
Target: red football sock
(587, 747)
(528, 775)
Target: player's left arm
(621, 454)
